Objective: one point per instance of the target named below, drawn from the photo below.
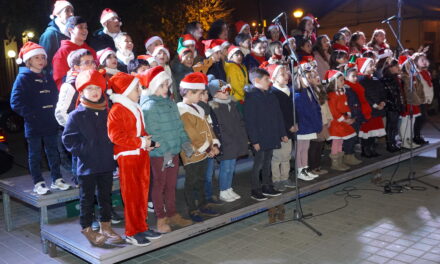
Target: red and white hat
(403, 59)
(90, 77)
(224, 43)
(312, 18)
(194, 81)
(150, 59)
(151, 40)
(240, 26)
(157, 49)
(103, 54)
(153, 78)
(273, 70)
(29, 50)
(106, 15)
(211, 46)
(58, 7)
(231, 50)
(308, 63)
(285, 41)
(362, 64)
(331, 75)
(122, 83)
(188, 39)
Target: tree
(206, 11)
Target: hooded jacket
(50, 40)
(100, 41)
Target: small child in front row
(34, 96)
(108, 61)
(233, 132)
(85, 136)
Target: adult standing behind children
(111, 27)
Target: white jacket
(65, 98)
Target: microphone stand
(411, 175)
(298, 214)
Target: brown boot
(178, 220)
(272, 214)
(112, 236)
(162, 226)
(281, 212)
(336, 162)
(350, 159)
(94, 237)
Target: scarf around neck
(284, 89)
(61, 26)
(111, 71)
(113, 35)
(125, 57)
(100, 105)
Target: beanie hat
(273, 70)
(331, 75)
(103, 54)
(158, 49)
(72, 22)
(216, 85)
(122, 83)
(362, 64)
(29, 50)
(58, 7)
(188, 39)
(106, 15)
(240, 26)
(194, 81)
(75, 54)
(90, 77)
(232, 50)
(151, 40)
(211, 46)
(153, 78)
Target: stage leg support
(7, 211)
(43, 215)
(52, 249)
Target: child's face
(65, 14)
(193, 96)
(161, 58)
(153, 46)
(309, 26)
(275, 34)
(259, 49)
(92, 93)
(342, 40)
(222, 94)
(325, 42)
(423, 62)
(204, 97)
(79, 32)
(307, 47)
(278, 50)
(125, 43)
(342, 60)
(340, 82)
(187, 59)
(352, 77)
(142, 69)
(347, 37)
(37, 63)
(370, 68)
(135, 94)
(216, 56)
(246, 30)
(361, 40)
(246, 44)
(237, 57)
(198, 32)
(153, 64)
(263, 83)
(111, 61)
(191, 47)
(86, 62)
(380, 38)
(282, 77)
(313, 78)
(163, 89)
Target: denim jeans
(208, 178)
(227, 169)
(65, 157)
(35, 144)
(262, 160)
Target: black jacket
(394, 98)
(218, 70)
(100, 40)
(286, 106)
(374, 92)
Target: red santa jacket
(59, 61)
(360, 92)
(125, 126)
(337, 102)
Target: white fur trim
(192, 86)
(184, 108)
(134, 108)
(336, 76)
(225, 44)
(216, 142)
(127, 153)
(32, 53)
(157, 81)
(275, 72)
(234, 50)
(307, 136)
(346, 137)
(104, 55)
(151, 40)
(243, 27)
(144, 142)
(157, 50)
(373, 133)
(59, 6)
(364, 66)
(132, 85)
(209, 52)
(272, 27)
(203, 147)
(340, 119)
(107, 17)
(189, 42)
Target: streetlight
(298, 13)
(11, 54)
(30, 34)
(254, 24)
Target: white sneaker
(150, 207)
(60, 185)
(233, 194)
(407, 144)
(40, 188)
(225, 196)
(311, 175)
(303, 176)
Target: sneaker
(116, 218)
(225, 196)
(95, 225)
(150, 207)
(233, 194)
(302, 175)
(268, 190)
(151, 234)
(138, 240)
(319, 171)
(289, 183)
(195, 217)
(279, 186)
(214, 201)
(257, 195)
(208, 212)
(310, 173)
(60, 185)
(40, 188)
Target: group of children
(150, 114)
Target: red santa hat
(232, 50)
(151, 40)
(285, 41)
(29, 50)
(103, 55)
(150, 59)
(188, 39)
(240, 26)
(308, 63)
(211, 46)
(403, 59)
(273, 70)
(90, 77)
(153, 78)
(331, 75)
(58, 7)
(158, 49)
(312, 18)
(272, 27)
(106, 15)
(223, 43)
(362, 64)
(122, 83)
(194, 81)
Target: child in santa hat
(378, 41)
(308, 26)
(162, 120)
(131, 145)
(213, 51)
(244, 41)
(340, 42)
(203, 141)
(34, 96)
(376, 97)
(138, 65)
(257, 55)
(276, 53)
(181, 68)
(340, 128)
(85, 136)
(242, 27)
(273, 33)
(124, 53)
(303, 47)
(236, 75)
(108, 61)
(151, 43)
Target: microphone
(278, 17)
(389, 19)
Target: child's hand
(256, 147)
(349, 121)
(294, 128)
(216, 150)
(285, 139)
(146, 142)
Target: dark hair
(302, 25)
(76, 58)
(331, 86)
(135, 64)
(350, 70)
(338, 36)
(369, 54)
(256, 41)
(257, 73)
(300, 42)
(240, 38)
(191, 27)
(72, 22)
(336, 55)
(272, 47)
(386, 69)
(216, 29)
(345, 30)
(353, 40)
(318, 47)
